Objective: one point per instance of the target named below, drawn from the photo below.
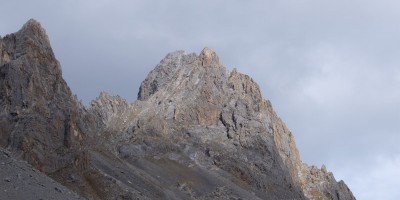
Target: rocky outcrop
(320, 184)
(39, 116)
(108, 110)
(197, 131)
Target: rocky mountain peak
(180, 68)
(34, 28)
(40, 118)
(199, 95)
(31, 40)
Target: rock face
(39, 117)
(197, 131)
(320, 184)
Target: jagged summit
(33, 24)
(34, 31)
(178, 65)
(39, 115)
(31, 40)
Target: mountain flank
(197, 131)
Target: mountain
(197, 131)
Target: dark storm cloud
(330, 68)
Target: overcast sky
(330, 68)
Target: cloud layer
(330, 68)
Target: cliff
(39, 117)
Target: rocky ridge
(197, 131)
